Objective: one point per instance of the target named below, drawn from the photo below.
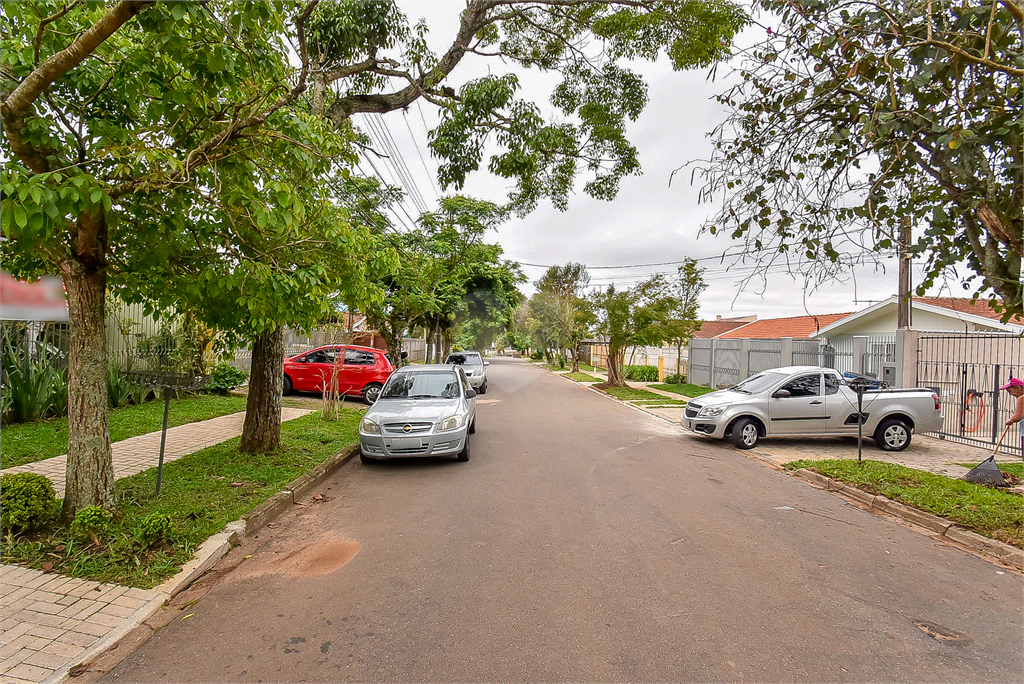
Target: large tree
(684, 290)
(857, 119)
(631, 317)
(562, 314)
(110, 111)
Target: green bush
(675, 379)
(154, 527)
(29, 380)
(90, 522)
(642, 373)
(225, 377)
(27, 500)
(537, 355)
(120, 390)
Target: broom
(987, 472)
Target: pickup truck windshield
(439, 385)
(758, 383)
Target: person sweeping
(1016, 389)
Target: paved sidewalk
(140, 453)
(48, 621)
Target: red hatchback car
(360, 370)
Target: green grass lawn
(1012, 468)
(685, 389)
(198, 496)
(590, 369)
(662, 402)
(31, 442)
(582, 377)
(630, 393)
(991, 512)
(555, 367)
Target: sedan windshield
(440, 385)
(464, 360)
(758, 383)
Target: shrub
(675, 379)
(90, 523)
(642, 373)
(27, 500)
(225, 377)
(154, 527)
(537, 355)
(120, 389)
(30, 380)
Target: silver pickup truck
(810, 400)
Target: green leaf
(20, 216)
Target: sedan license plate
(405, 443)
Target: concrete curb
(941, 526)
(211, 551)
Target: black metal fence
(966, 371)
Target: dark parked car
(361, 371)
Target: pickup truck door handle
(815, 402)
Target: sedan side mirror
(470, 393)
(782, 394)
(404, 354)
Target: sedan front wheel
(745, 433)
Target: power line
(661, 263)
(397, 162)
(430, 176)
(400, 205)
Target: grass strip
(665, 402)
(31, 442)
(1012, 468)
(991, 512)
(582, 377)
(631, 393)
(555, 367)
(201, 493)
(685, 389)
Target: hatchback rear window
(441, 385)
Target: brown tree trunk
(615, 359)
(90, 469)
(261, 431)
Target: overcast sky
(649, 221)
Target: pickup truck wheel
(745, 434)
(893, 435)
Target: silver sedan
(421, 411)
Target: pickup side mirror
(487, 363)
(782, 394)
(470, 393)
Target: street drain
(941, 633)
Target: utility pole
(903, 316)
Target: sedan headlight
(451, 423)
(711, 411)
(369, 427)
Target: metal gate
(966, 371)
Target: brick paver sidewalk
(140, 453)
(47, 621)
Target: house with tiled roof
(928, 314)
(715, 328)
(797, 327)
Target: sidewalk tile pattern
(47, 620)
(140, 453)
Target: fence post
(860, 350)
(689, 361)
(661, 369)
(744, 358)
(786, 358)
(711, 364)
(906, 357)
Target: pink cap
(1014, 382)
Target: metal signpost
(170, 383)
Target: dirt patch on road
(309, 560)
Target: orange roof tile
(710, 329)
(965, 305)
(772, 328)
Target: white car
(475, 367)
(425, 410)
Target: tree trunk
(261, 431)
(577, 350)
(90, 469)
(393, 338)
(616, 358)
(679, 364)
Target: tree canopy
(854, 120)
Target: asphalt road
(587, 541)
